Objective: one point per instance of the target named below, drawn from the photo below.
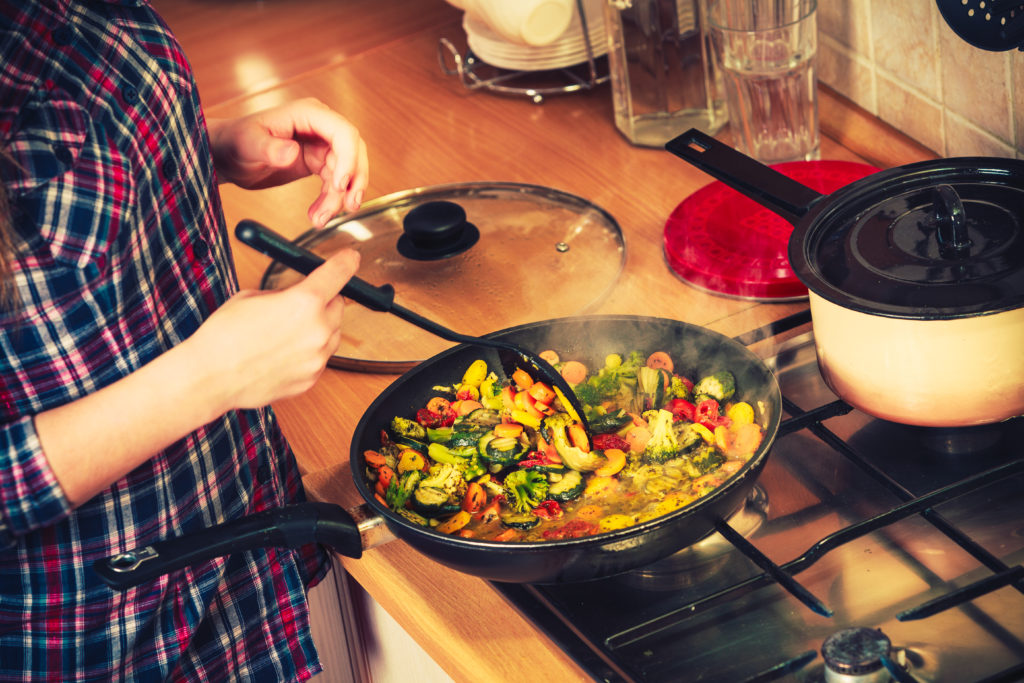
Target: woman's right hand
(261, 346)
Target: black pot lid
(932, 240)
(475, 257)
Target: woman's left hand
(292, 141)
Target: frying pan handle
(291, 526)
(763, 184)
(266, 241)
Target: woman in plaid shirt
(134, 376)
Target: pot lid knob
(436, 230)
(950, 223)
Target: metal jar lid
(475, 257)
(933, 240)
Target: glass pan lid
(541, 253)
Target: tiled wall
(900, 60)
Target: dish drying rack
(476, 74)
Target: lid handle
(436, 230)
(950, 223)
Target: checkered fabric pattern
(121, 253)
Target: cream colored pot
(915, 278)
(932, 373)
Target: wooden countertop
(422, 128)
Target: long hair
(7, 291)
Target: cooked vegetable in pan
(499, 459)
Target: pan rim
(752, 467)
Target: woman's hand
(261, 346)
(292, 141)
(256, 348)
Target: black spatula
(512, 357)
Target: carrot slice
(578, 437)
(616, 461)
(660, 360)
(506, 535)
(466, 407)
(522, 379)
(541, 393)
(475, 498)
(374, 459)
(574, 371)
(385, 475)
(637, 438)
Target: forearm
(94, 441)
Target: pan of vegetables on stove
(488, 474)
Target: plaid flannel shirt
(121, 253)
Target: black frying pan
(696, 351)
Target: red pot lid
(722, 241)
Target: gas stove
(868, 551)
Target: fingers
(341, 161)
(327, 280)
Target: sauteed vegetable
(499, 459)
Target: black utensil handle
(763, 184)
(291, 526)
(266, 241)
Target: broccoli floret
(446, 477)
(403, 426)
(616, 377)
(525, 489)
(587, 393)
(466, 458)
(704, 460)
(606, 383)
(719, 386)
(634, 360)
(663, 444)
(572, 457)
(401, 488)
(679, 388)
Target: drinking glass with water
(766, 51)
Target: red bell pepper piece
(707, 415)
(603, 442)
(429, 418)
(682, 409)
(549, 509)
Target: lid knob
(950, 223)
(436, 230)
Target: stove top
(859, 529)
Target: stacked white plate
(568, 50)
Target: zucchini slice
(432, 502)
(499, 450)
(519, 520)
(569, 487)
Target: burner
(866, 655)
(926, 458)
(694, 564)
(963, 441)
(855, 655)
